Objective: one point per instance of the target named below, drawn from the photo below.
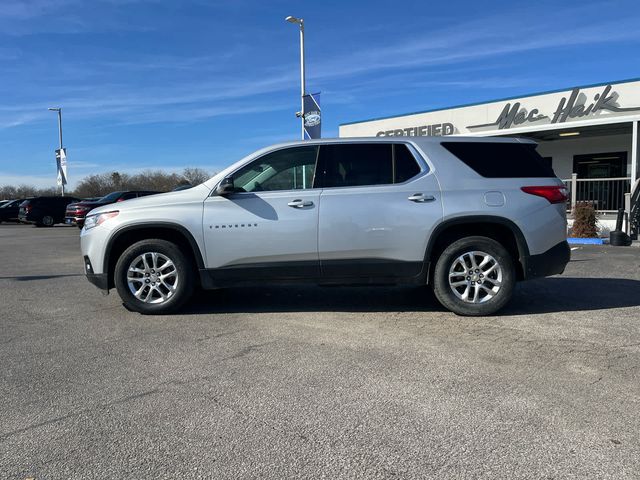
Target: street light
(59, 110)
(300, 22)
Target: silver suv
(468, 216)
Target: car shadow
(28, 278)
(556, 294)
(569, 294)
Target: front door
(378, 207)
(267, 228)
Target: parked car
(468, 216)
(9, 210)
(44, 211)
(76, 212)
(4, 202)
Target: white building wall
(582, 106)
(562, 151)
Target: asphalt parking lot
(316, 382)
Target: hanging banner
(61, 163)
(311, 115)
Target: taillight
(553, 193)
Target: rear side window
(501, 160)
(361, 164)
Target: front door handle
(421, 198)
(300, 203)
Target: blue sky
(169, 84)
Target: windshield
(112, 197)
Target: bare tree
(101, 184)
(196, 176)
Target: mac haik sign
(574, 106)
(530, 113)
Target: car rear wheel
(47, 221)
(154, 277)
(474, 276)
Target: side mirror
(225, 187)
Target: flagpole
(59, 110)
(60, 135)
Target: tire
(177, 288)
(48, 221)
(494, 284)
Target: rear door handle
(421, 198)
(300, 203)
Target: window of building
(601, 165)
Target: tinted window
(406, 166)
(350, 165)
(360, 164)
(110, 198)
(287, 169)
(501, 160)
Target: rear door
(269, 227)
(378, 207)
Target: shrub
(584, 220)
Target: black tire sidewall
(443, 291)
(183, 266)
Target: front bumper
(551, 262)
(71, 220)
(100, 280)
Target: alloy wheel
(475, 277)
(152, 277)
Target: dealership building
(588, 134)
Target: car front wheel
(154, 277)
(474, 276)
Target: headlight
(98, 219)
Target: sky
(148, 84)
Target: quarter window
(501, 159)
(287, 169)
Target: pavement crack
(133, 397)
(33, 426)
(76, 413)
(247, 350)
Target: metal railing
(606, 194)
(633, 208)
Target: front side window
(287, 169)
(361, 164)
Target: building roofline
(464, 105)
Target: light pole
(59, 110)
(300, 22)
